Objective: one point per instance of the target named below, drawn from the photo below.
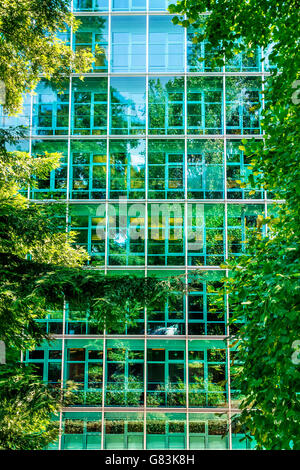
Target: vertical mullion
(70, 119)
(225, 166)
(263, 107)
(185, 119)
(69, 138)
(67, 229)
(146, 225)
(103, 391)
(187, 361)
(106, 207)
(186, 243)
(62, 373)
(226, 258)
(147, 141)
(145, 386)
(106, 215)
(30, 135)
(107, 142)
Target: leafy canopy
(32, 46)
(26, 405)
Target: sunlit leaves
(31, 47)
(26, 405)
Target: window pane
(50, 110)
(166, 45)
(128, 44)
(91, 5)
(92, 34)
(238, 172)
(206, 234)
(55, 186)
(204, 105)
(127, 169)
(166, 169)
(166, 105)
(205, 179)
(88, 169)
(129, 5)
(243, 105)
(128, 112)
(89, 106)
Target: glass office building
(153, 136)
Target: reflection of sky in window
(47, 98)
(121, 238)
(137, 155)
(166, 45)
(129, 5)
(64, 36)
(44, 93)
(21, 146)
(128, 43)
(130, 91)
(22, 119)
(160, 5)
(91, 5)
(121, 5)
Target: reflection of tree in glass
(243, 105)
(166, 169)
(56, 184)
(128, 110)
(166, 105)
(127, 169)
(88, 173)
(92, 35)
(200, 59)
(204, 105)
(124, 388)
(205, 178)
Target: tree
(32, 46)
(263, 285)
(26, 405)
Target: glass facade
(153, 173)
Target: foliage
(29, 407)
(120, 394)
(264, 285)
(26, 407)
(264, 303)
(27, 230)
(31, 46)
(231, 28)
(29, 289)
(90, 398)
